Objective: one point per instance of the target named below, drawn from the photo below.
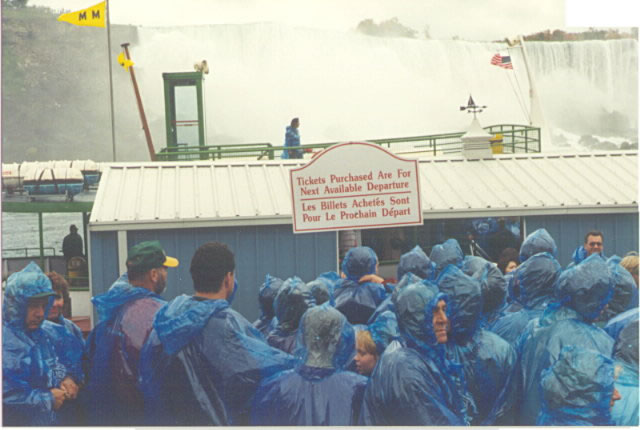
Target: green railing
(24, 252)
(515, 139)
(260, 151)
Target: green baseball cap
(149, 255)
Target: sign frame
(403, 172)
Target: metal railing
(216, 152)
(24, 252)
(514, 139)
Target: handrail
(26, 251)
(516, 138)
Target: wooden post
(143, 118)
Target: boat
(53, 180)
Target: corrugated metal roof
(137, 196)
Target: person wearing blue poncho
(487, 360)
(625, 353)
(625, 293)
(292, 301)
(535, 279)
(493, 285)
(582, 292)
(203, 361)
(125, 317)
(322, 290)
(357, 299)
(318, 392)
(268, 292)
(69, 345)
(617, 323)
(578, 390)
(36, 383)
(537, 242)
(414, 262)
(593, 244)
(447, 253)
(412, 383)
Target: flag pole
(113, 128)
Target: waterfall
(347, 86)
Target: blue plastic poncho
(538, 241)
(202, 364)
(416, 262)
(319, 392)
(625, 352)
(387, 303)
(535, 279)
(492, 283)
(577, 389)
(447, 253)
(625, 293)
(583, 291)
(292, 301)
(412, 383)
(30, 364)
(291, 140)
(357, 301)
(125, 315)
(266, 297)
(384, 330)
(322, 290)
(69, 346)
(488, 361)
(617, 323)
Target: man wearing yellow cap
(125, 318)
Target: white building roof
(203, 193)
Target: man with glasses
(593, 244)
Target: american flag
(500, 61)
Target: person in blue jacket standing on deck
(36, 383)
(355, 296)
(292, 140)
(319, 392)
(203, 361)
(125, 317)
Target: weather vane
(472, 107)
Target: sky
(445, 19)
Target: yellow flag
(124, 62)
(93, 16)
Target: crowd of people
(454, 340)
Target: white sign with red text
(355, 186)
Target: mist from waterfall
(347, 86)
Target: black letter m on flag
(82, 15)
(95, 14)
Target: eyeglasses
(594, 244)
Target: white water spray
(347, 86)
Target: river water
(20, 230)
